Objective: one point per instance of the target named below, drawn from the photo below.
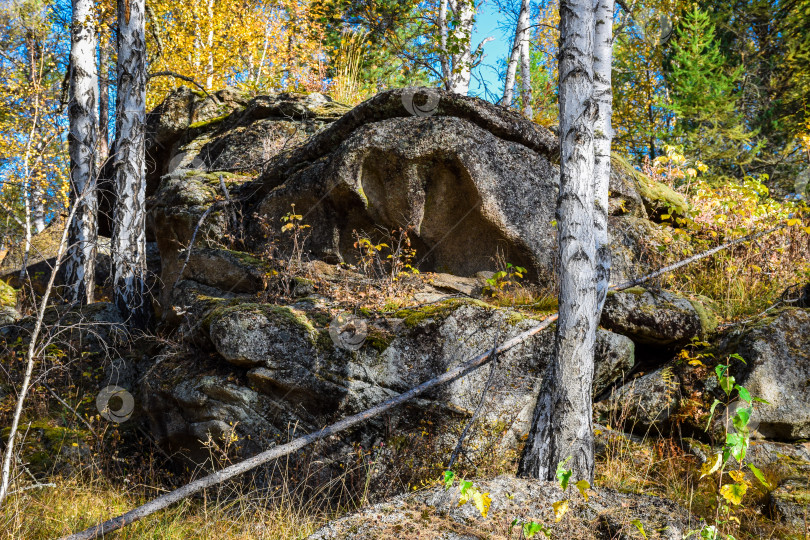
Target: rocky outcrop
(643, 405)
(658, 318)
(436, 513)
(777, 369)
(277, 365)
(469, 181)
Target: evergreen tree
(702, 91)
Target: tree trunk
(103, 144)
(443, 55)
(603, 136)
(462, 62)
(562, 425)
(129, 239)
(526, 77)
(511, 69)
(80, 266)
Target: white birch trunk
(562, 425)
(526, 76)
(82, 107)
(462, 62)
(129, 240)
(603, 136)
(511, 69)
(443, 55)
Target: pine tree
(702, 90)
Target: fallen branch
(236, 469)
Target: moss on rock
(412, 317)
(8, 295)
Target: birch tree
(526, 75)
(128, 244)
(82, 118)
(456, 55)
(603, 136)
(562, 426)
(463, 59)
(521, 34)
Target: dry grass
(73, 505)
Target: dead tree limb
(236, 469)
(182, 78)
(32, 354)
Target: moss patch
(207, 123)
(414, 316)
(708, 320)
(8, 295)
(658, 198)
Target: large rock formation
(277, 366)
(470, 182)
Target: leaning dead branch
(451, 375)
(31, 356)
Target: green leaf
(563, 475)
(720, 369)
(737, 357)
(741, 418)
(727, 384)
(449, 477)
(583, 486)
(743, 393)
(532, 528)
(759, 475)
(709, 532)
(737, 443)
(640, 527)
(733, 493)
(464, 485)
(760, 400)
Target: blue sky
(495, 51)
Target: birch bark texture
(128, 244)
(562, 426)
(82, 139)
(456, 20)
(526, 76)
(603, 137)
(462, 61)
(521, 34)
